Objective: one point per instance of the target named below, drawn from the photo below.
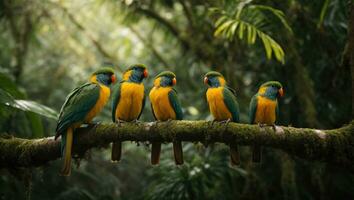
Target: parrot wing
(231, 104)
(115, 100)
(253, 108)
(77, 105)
(176, 105)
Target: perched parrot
(264, 109)
(81, 106)
(165, 106)
(128, 100)
(223, 105)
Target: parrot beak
(174, 81)
(206, 80)
(113, 78)
(146, 73)
(281, 92)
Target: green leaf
(278, 52)
(266, 43)
(277, 13)
(9, 86)
(222, 28)
(232, 29)
(26, 105)
(240, 31)
(323, 13)
(37, 108)
(220, 21)
(250, 18)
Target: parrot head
(104, 75)
(135, 73)
(165, 79)
(271, 89)
(214, 79)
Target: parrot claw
(90, 124)
(119, 122)
(156, 122)
(226, 122)
(261, 125)
(137, 122)
(211, 123)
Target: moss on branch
(332, 146)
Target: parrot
(263, 109)
(81, 106)
(223, 105)
(165, 106)
(128, 100)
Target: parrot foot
(137, 122)
(90, 124)
(211, 123)
(120, 122)
(157, 122)
(168, 122)
(265, 125)
(226, 122)
(262, 125)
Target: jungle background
(47, 48)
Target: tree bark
(335, 146)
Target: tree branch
(331, 146)
(151, 46)
(100, 47)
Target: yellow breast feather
(161, 103)
(216, 103)
(102, 100)
(130, 102)
(266, 111)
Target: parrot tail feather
(257, 154)
(66, 170)
(155, 153)
(116, 151)
(234, 155)
(178, 152)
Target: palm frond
(248, 23)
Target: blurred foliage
(49, 47)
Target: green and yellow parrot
(165, 106)
(264, 109)
(223, 105)
(81, 106)
(128, 100)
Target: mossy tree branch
(331, 146)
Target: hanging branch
(330, 146)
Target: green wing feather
(77, 105)
(253, 108)
(231, 103)
(176, 105)
(115, 100)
